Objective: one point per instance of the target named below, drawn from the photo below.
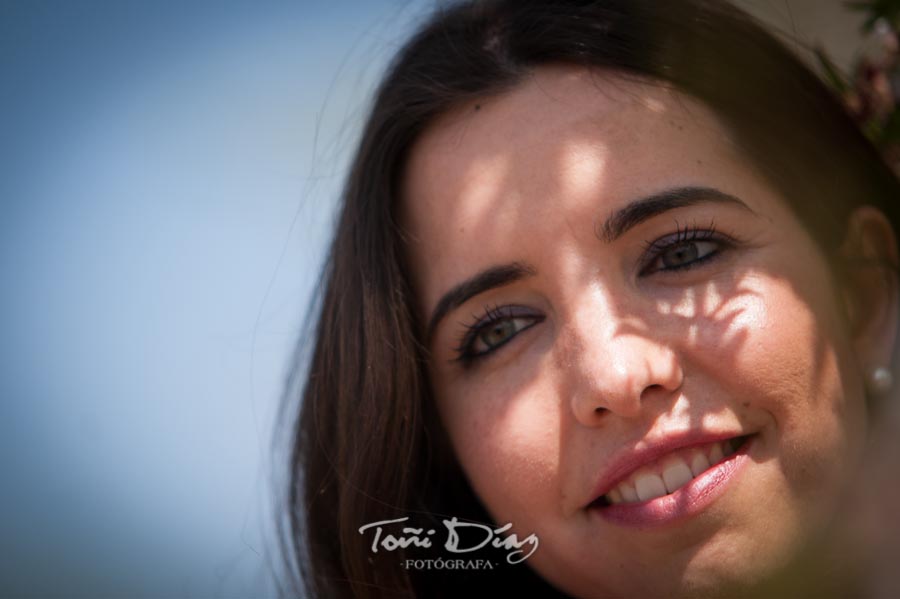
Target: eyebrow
(620, 222)
(638, 211)
(491, 278)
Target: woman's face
(637, 349)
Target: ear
(870, 281)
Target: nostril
(599, 410)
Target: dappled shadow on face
(507, 182)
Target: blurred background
(168, 173)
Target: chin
(684, 578)
(712, 561)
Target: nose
(619, 364)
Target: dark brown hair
(368, 445)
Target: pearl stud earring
(880, 381)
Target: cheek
(508, 445)
(771, 341)
(768, 337)
(791, 370)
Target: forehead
(561, 150)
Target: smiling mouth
(669, 473)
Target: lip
(688, 500)
(624, 463)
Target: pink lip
(627, 461)
(690, 499)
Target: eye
(495, 334)
(496, 328)
(683, 250)
(685, 253)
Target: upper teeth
(670, 473)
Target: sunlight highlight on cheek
(693, 303)
(711, 298)
(734, 323)
(751, 308)
(687, 307)
(693, 332)
(744, 318)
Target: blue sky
(169, 173)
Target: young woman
(621, 274)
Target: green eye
(686, 253)
(684, 249)
(497, 333)
(496, 328)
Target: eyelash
(684, 238)
(494, 315)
